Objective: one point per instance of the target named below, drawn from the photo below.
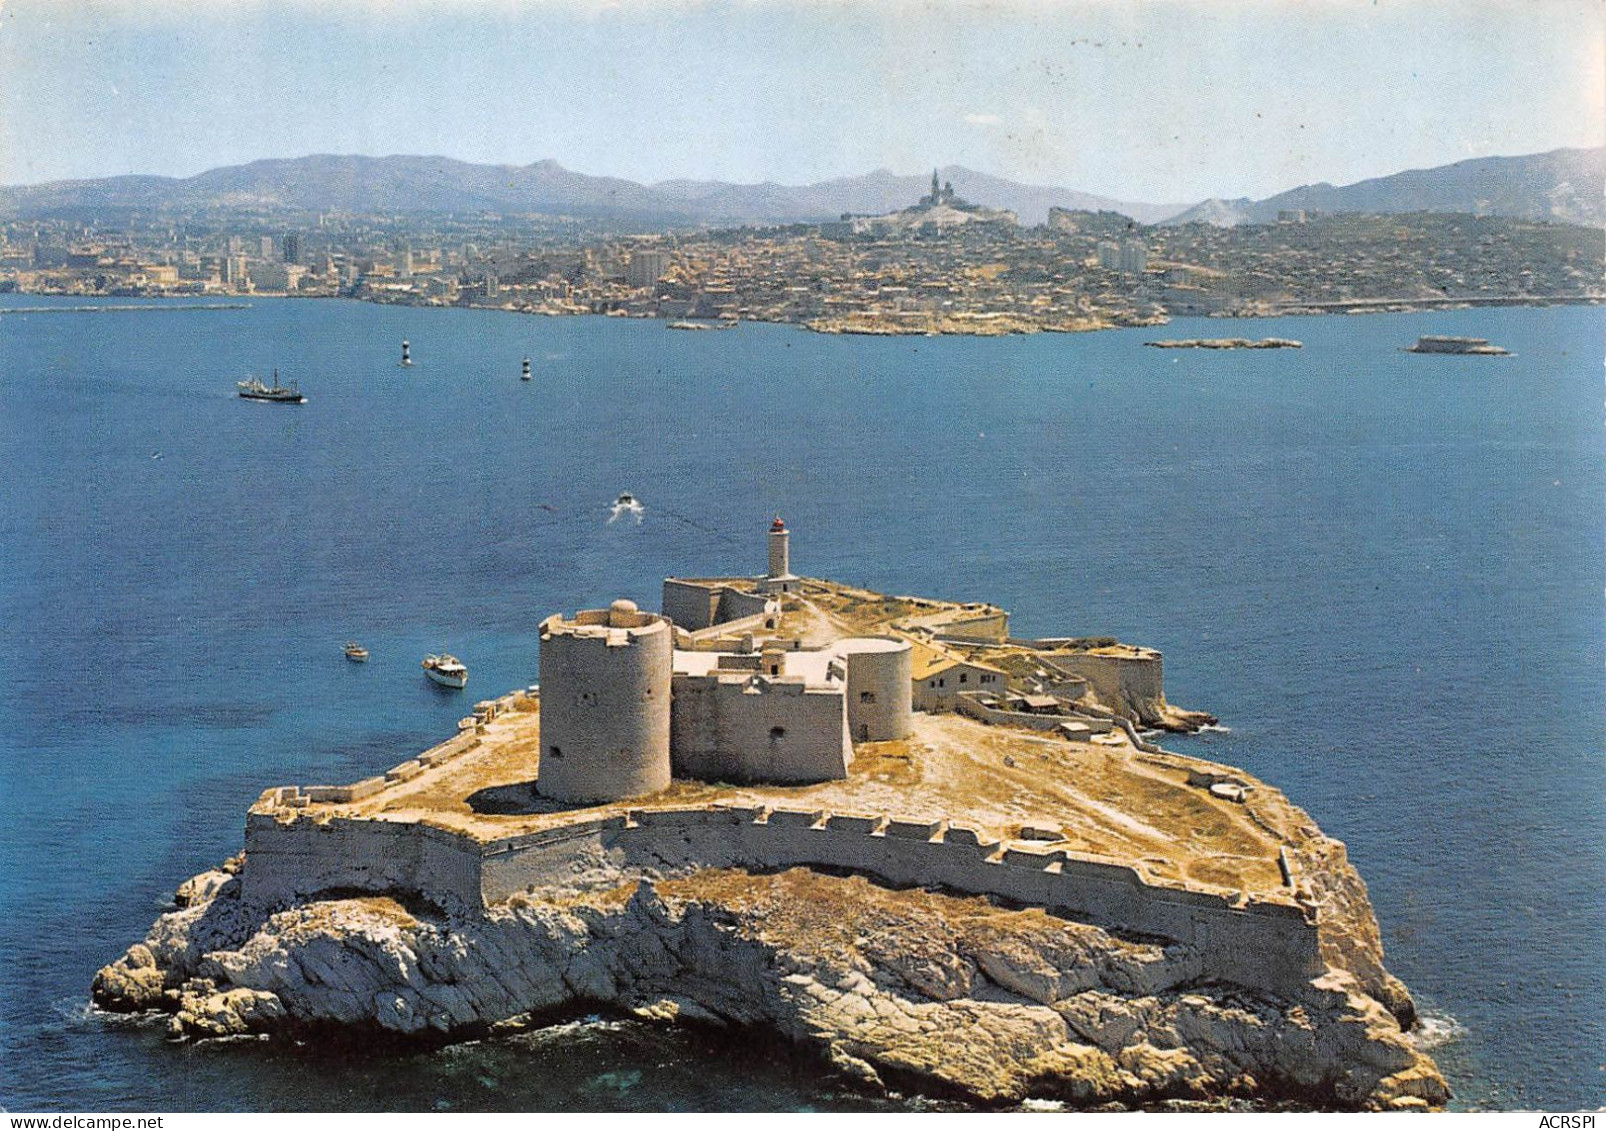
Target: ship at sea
(1438, 343)
(446, 670)
(255, 389)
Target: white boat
(627, 504)
(446, 670)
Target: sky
(1140, 100)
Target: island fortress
(661, 743)
(881, 826)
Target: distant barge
(1477, 347)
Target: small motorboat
(627, 503)
(355, 652)
(446, 670)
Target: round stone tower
(879, 691)
(605, 704)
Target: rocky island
(942, 857)
(1226, 344)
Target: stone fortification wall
(879, 691)
(740, 726)
(1134, 685)
(984, 624)
(690, 604)
(605, 694)
(726, 636)
(1071, 724)
(1264, 944)
(1261, 943)
(697, 605)
(290, 861)
(737, 605)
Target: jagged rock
(132, 983)
(950, 993)
(201, 889)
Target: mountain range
(1565, 184)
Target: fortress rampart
(1077, 725)
(1131, 681)
(1262, 943)
(697, 605)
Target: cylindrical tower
(879, 690)
(605, 704)
(780, 550)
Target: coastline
(980, 324)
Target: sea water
(1383, 571)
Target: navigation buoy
(407, 354)
(525, 375)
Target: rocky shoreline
(946, 995)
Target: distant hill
(1565, 184)
(325, 183)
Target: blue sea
(1384, 572)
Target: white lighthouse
(780, 577)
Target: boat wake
(1434, 1030)
(626, 504)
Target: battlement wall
(1257, 942)
(301, 858)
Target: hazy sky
(1164, 100)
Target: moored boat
(446, 670)
(355, 652)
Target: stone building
(605, 704)
(623, 709)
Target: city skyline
(1158, 101)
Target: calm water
(1384, 572)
